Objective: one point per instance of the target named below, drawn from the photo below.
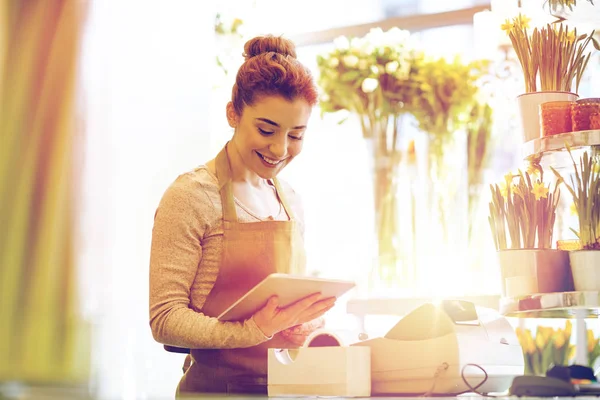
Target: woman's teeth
(268, 160)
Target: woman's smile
(269, 162)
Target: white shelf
(552, 305)
(551, 151)
(556, 143)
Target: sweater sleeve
(180, 223)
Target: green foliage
(370, 76)
(445, 93)
(385, 74)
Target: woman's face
(270, 133)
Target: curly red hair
(271, 69)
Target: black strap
(173, 349)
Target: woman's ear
(232, 117)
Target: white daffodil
(369, 85)
(403, 70)
(374, 69)
(358, 42)
(397, 35)
(341, 43)
(391, 67)
(350, 60)
(333, 62)
(375, 37)
(324, 97)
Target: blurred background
(104, 102)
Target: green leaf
(350, 76)
(341, 121)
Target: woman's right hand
(271, 319)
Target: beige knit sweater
(184, 263)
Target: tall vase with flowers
(522, 216)
(371, 77)
(446, 96)
(553, 59)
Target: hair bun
(269, 43)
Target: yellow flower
(508, 178)
(519, 332)
(591, 341)
(539, 190)
(541, 339)
(596, 167)
(573, 209)
(568, 328)
(528, 343)
(571, 353)
(523, 21)
(412, 153)
(534, 169)
(558, 339)
(570, 36)
(516, 190)
(507, 26)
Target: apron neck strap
(223, 169)
(283, 199)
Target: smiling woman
(223, 227)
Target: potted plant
(584, 186)
(553, 60)
(522, 215)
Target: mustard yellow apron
(251, 251)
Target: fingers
(303, 304)
(315, 312)
(272, 319)
(272, 305)
(320, 305)
(319, 314)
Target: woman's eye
(262, 131)
(295, 137)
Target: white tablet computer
(289, 289)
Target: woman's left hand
(299, 333)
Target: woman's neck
(239, 171)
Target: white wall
(147, 98)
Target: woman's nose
(279, 147)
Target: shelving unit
(552, 151)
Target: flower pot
(529, 271)
(529, 108)
(585, 265)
